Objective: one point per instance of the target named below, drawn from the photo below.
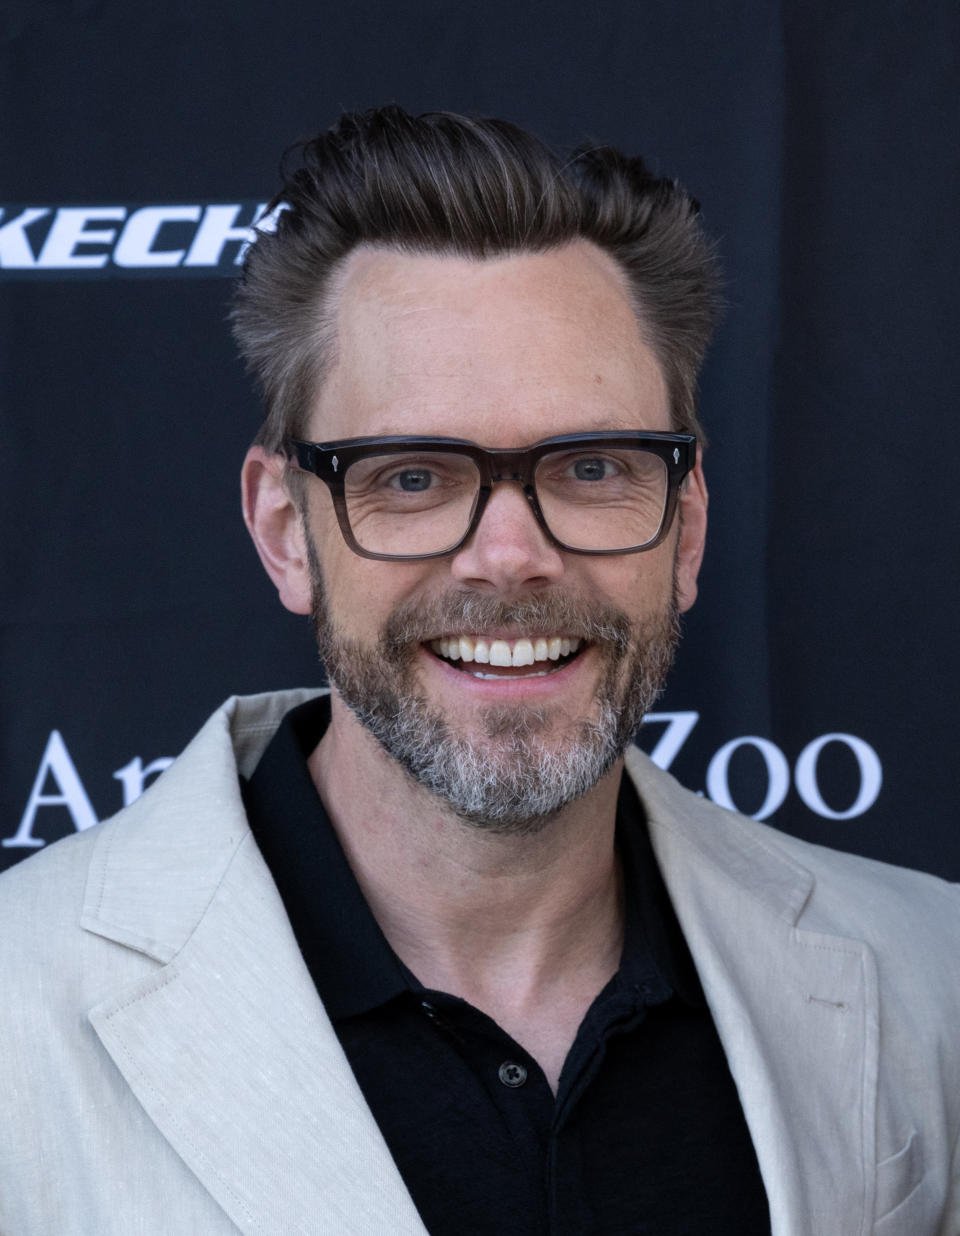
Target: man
(439, 951)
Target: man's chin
(511, 775)
(498, 727)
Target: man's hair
(477, 188)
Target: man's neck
(527, 928)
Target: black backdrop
(816, 682)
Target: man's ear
(693, 532)
(274, 523)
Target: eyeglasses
(591, 493)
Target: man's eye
(592, 469)
(412, 480)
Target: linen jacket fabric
(167, 1066)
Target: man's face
(502, 352)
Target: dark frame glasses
(330, 460)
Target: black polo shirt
(646, 1133)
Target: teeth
(504, 653)
(500, 653)
(535, 674)
(523, 652)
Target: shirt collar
(655, 954)
(349, 959)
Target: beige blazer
(166, 1066)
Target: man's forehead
(414, 332)
(383, 278)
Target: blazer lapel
(226, 1044)
(796, 1009)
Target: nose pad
(509, 544)
(512, 485)
(523, 482)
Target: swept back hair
(441, 183)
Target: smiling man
(438, 950)
(492, 642)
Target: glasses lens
(596, 498)
(411, 503)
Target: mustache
(418, 621)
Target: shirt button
(512, 1074)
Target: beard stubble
(531, 762)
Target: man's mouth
(545, 654)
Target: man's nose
(508, 551)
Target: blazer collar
(225, 1044)
(796, 1008)
(186, 826)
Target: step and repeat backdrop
(815, 686)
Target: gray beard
(533, 761)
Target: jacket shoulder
(43, 894)
(819, 888)
(170, 845)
